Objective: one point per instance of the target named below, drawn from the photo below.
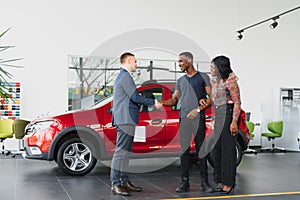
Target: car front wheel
(75, 157)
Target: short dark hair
(222, 63)
(187, 54)
(124, 56)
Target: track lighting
(275, 23)
(240, 36)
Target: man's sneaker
(206, 187)
(184, 186)
(219, 187)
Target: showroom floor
(262, 176)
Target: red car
(76, 140)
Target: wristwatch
(198, 110)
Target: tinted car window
(154, 93)
(176, 107)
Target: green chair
(276, 129)
(250, 126)
(19, 128)
(6, 131)
(19, 131)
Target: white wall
(46, 32)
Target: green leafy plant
(4, 74)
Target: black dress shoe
(184, 186)
(119, 190)
(206, 187)
(131, 187)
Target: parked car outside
(77, 139)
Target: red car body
(90, 133)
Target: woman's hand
(234, 129)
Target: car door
(172, 143)
(150, 131)
(167, 138)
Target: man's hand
(202, 107)
(193, 114)
(204, 103)
(157, 104)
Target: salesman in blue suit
(125, 117)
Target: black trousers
(188, 127)
(224, 152)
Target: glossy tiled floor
(258, 175)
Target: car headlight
(38, 126)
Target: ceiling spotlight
(274, 24)
(240, 36)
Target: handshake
(158, 104)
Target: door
(150, 132)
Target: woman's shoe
(230, 191)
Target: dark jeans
(120, 161)
(186, 129)
(224, 152)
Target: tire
(75, 157)
(239, 154)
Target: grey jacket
(126, 100)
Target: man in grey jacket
(125, 117)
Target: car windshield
(101, 102)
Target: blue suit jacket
(126, 100)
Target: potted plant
(4, 74)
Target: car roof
(161, 81)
